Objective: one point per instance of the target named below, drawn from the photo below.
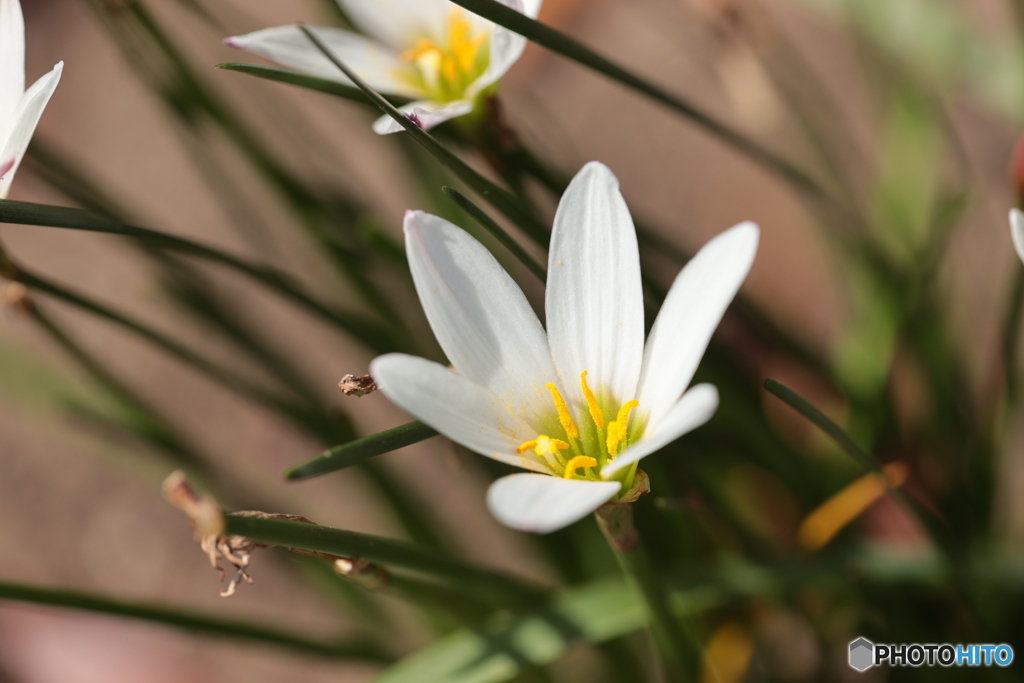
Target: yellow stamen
(595, 409)
(617, 428)
(563, 413)
(543, 445)
(446, 68)
(576, 463)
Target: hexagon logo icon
(862, 654)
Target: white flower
(580, 405)
(432, 51)
(20, 109)
(1017, 231)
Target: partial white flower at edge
(441, 56)
(20, 109)
(1017, 231)
(579, 405)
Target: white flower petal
(542, 504)
(1017, 231)
(30, 108)
(399, 23)
(377, 64)
(531, 8)
(506, 48)
(594, 301)
(480, 317)
(691, 312)
(457, 408)
(694, 409)
(12, 61)
(425, 114)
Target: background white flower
(579, 405)
(20, 109)
(433, 51)
(1017, 231)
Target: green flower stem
(191, 621)
(498, 589)
(616, 523)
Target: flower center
(444, 71)
(589, 450)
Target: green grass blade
(798, 403)
(595, 612)
(561, 44)
(498, 588)
(822, 422)
(360, 450)
(500, 198)
(488, 224)
(323, 85)
(370, 332)
(164, 66)
(191, 621)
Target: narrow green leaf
(357, 451)
(561, 44)
(500, 198)
(497, 588)
(488, 224)
(191, 621)
(594, 612)
(323, 85)
(820, 420)
(798, 403)
(164, 66)
(368, 331)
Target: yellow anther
(618, 428)
(623, 416)
(563, 413)
(526, 445)
(595, 409)
(616, 433)
(576, 463)
(463, 48)
(543, 445)
(423, 47)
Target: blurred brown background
(79, 511)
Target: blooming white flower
(432, 51)
(20, 109)
(580, 405)
(1017, 231)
